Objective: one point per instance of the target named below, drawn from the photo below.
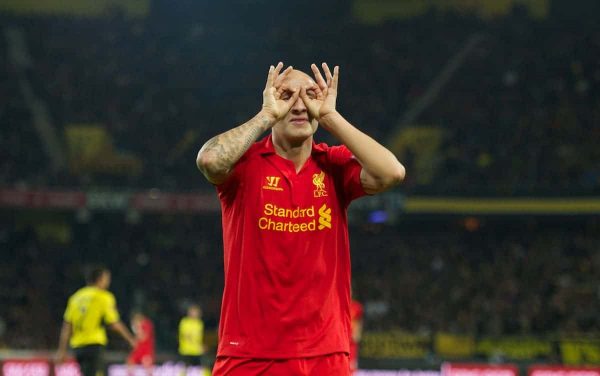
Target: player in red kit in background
(356, 317)
(284, 201)
(143, 352)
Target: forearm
(218, 155)
(357, 330)
(65, 334)
(376, 160)
(123, 331)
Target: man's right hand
(132, 342)
(61, 356)
(273, 103)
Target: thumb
(303, 94)
(307, 101)
(294, 98)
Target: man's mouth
(298, 120)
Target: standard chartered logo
(324, 217)
(305, 219)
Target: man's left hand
(322, 102)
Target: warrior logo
(273, 183)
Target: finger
(318, 77)
(285, 72)
(327, 74)
(270, 77)
(336, 75)
(303, 94)
(319, 93)
(277, 69)
(280, 92)
(283, 75)
(290, 102)
(307, 101)
(294, 97)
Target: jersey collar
(265, 146)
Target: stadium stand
(511, 123)
(521, 278)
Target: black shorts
(90, 359)
(191, 360)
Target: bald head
(298, 73)
(296, 79)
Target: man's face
(194, 312)
(297, 125)
(136, 318)
(105, 280)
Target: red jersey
(356, 314)
(144, 332)
(356, 310)
(287, 253)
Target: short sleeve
(181, 327)
(230, 187)
(111, 315)
(348, 171)
(356, 310)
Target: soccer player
(284, 200)
(88, 310)
(143, 352)
(191, 337)
(356, 316)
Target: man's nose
(299, 105)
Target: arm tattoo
(227, 148)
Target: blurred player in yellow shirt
(89, 310)
(191, 337)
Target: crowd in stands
(499, 277)
(523, 111)
(21, 156)
(160, 265)
(500, 280)
(517, 117)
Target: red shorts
(327, 365)
(353, 357)
(141, 357)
